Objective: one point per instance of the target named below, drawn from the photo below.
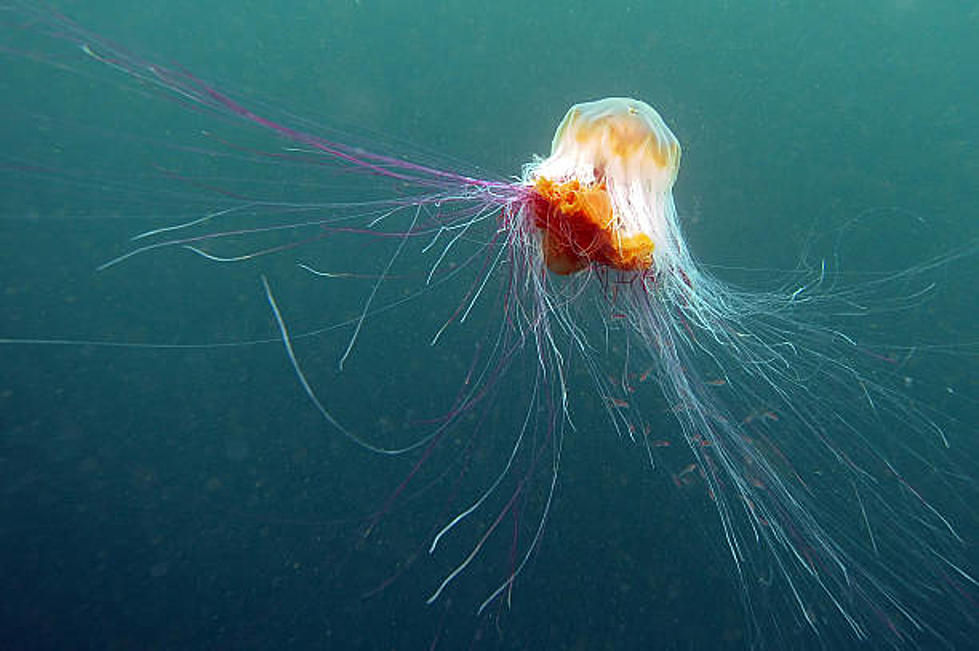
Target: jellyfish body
(604, 195)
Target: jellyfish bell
(604, 195)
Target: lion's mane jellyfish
(810, 454)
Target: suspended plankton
(792, 432)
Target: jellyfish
(797, 439)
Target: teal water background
(193, 498)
